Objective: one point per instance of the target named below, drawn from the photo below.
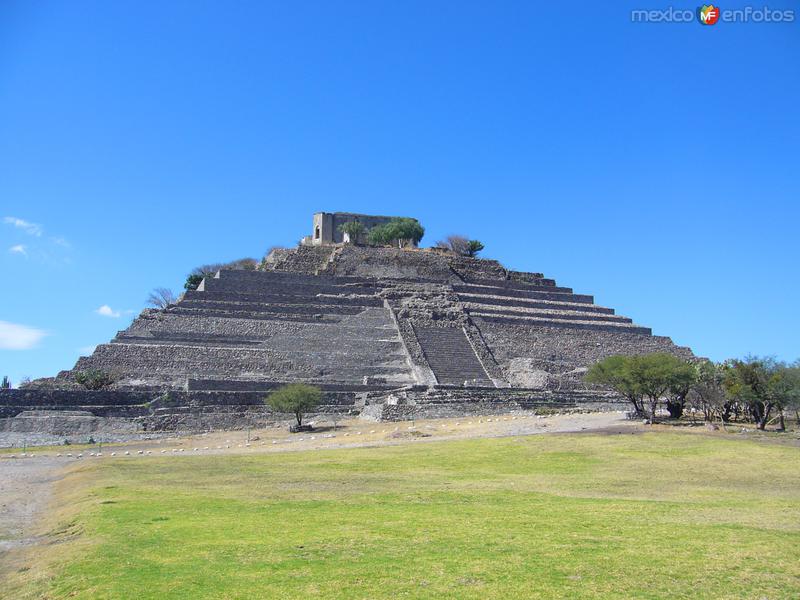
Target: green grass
(562, 516)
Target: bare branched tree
(161, 298)
(460, 245)
(456, 243)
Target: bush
(199, 273)
(454, 243)
(354, 230)
(295, 398)
(474, 247)
(461, 245)
(193, 281)
(94, 379)
(402, 231)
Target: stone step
(339, 297)
(543, 294)
(271, 312)
(450, 355)
(543, 284)
(292, 278)
(283, 288)
(567, 315)
(371, 344)
(255, 385)
(490, 300)
(540, 322)
(253, 307)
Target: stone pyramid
(387, 333)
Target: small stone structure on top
(326, 227)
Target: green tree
(707, 392)
(295, 398)
(649, 377)
(474, 247)
(197, 275)
(353, 229)
(682, 379)
(762, 385)
(6, 383)
(401, 231)
(193, 281)
(784, 390)
(655, 374)
(615, 372)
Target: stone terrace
(390, 332)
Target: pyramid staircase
(451, 357)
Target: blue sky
(656, 166)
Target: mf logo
(708, 14)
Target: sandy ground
(26, 479)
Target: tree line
(759, 389)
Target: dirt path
(26, 482)
(26, 487)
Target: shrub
(295, 398)
(402, 231)
(460, 245)
(454, 243)
(193, 281)
(474, 247)
(354, 230)
(94, 379)
(197, 275)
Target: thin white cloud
(19, 249)
(60, 241)
(107, 311)
(30, 228)
(19, 337)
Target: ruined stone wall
(390, 263)
(449, 402)
(328, 224)
(526, 352)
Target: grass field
(657, 515)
